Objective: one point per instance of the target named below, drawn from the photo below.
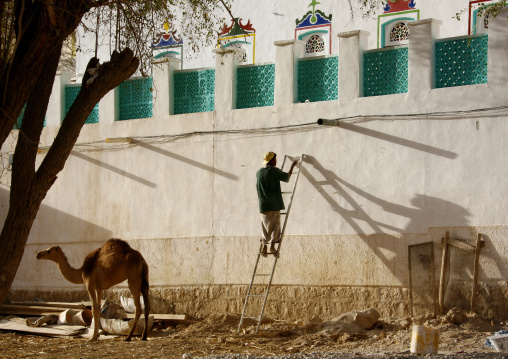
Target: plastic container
(75, 317)
(424, 340)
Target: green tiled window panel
(136, 99)
(461, 61)
(71, 92)
(19, 120)
(318, 79)
(385, 72)
(194, 91)
(255, 86)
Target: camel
(103, 268)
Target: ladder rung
(265, 275)
(250, 317)
(283, 213)
(256, 295)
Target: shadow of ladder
(275, 256)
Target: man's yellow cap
(268, 157)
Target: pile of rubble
(363, 332)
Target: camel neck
(73, 275)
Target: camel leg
(135, 291)
(146, 300)
(95, 296)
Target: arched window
(399, 32)
(315, 44)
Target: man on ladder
(270, 206)
(270, 199)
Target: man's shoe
(263, 250)
(272, 249)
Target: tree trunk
(13, 239)
(29, 187)
(24, 197)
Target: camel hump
(112, 254)
(116, 247)
(116, 243)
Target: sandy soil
(217, 335)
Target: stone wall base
(296, 302)
(492, 298)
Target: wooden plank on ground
(9, 309)
(27, 312)
(18, 325)
(51, 305)
(175, 317)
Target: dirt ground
(459, 337)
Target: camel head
(51, 254)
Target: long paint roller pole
(325, 122)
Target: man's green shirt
(268, 186)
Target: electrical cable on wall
(309, 126)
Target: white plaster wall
(367, 189)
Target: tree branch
(121, 67)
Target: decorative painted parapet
(167, 44)
(315, 30)
(426, 63)
(239, 36)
